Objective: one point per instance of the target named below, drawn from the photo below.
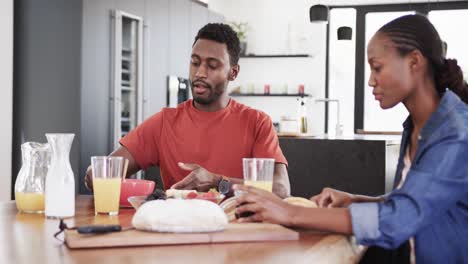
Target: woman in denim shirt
(429, 205)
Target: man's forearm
(281, 185)
(132, 164)
(281, 189)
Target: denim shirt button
(419, 137)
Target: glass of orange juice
(258, 172)
(107, 177)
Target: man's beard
(204, 101)
(212, 97)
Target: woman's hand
(333, 198)
(265, 206)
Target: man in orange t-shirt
(202, 142)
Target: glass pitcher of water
(30, 182)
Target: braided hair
(415, 32)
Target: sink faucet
(338, 127)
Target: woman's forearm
(367, 199)
(337, 220)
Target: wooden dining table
(29, 238)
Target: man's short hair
(221, 33)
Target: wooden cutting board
(233, 233)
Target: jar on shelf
(266, 88)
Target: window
(457, 42)
(375, 118)
(341, 68)
(448, 18)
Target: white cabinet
(127, 74)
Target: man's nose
(201, 71)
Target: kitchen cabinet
(47, 75)
(198, 18)
(361, 164)
(179, 38)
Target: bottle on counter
(303, 118)
(60, 182)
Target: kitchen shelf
(127, 89)
(124, 58)
(277, 56)
(270, 95)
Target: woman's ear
(417, 61)
(233, 72)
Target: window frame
(360, 64)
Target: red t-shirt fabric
(216, 141)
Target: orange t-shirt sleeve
(266, 141)
(141, 142)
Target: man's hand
(89, 179)
(199, 178)
(333, 198)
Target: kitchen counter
(361, 164)
(28, 238)
(390, 139)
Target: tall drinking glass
(107, 178)
(258, 172)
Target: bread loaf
(180, 216)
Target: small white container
(289, 125)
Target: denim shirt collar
(447, 103)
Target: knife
(98, 229)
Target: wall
(6, 100)
(292, 34)
(46, 73)
(280, 72)
(62, 68)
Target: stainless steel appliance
(178, 90)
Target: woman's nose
(371, 82)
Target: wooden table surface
(28, 238)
